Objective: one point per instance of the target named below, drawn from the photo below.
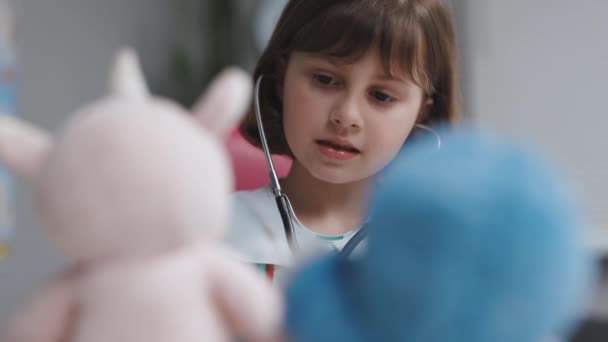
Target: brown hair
(415, 36)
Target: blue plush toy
(477, 242)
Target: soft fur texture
(477, 242)
(135, 191)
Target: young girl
(346, 82)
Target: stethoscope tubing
(282, 201)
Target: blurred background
(534, 70)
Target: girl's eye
(382, 97)
(325, 80)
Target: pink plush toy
(135, 191)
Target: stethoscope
(282, 201)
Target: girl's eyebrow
(387, 77)
(323, 58)
(337, 62)
(320, 57)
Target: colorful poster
(8, 90)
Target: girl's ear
(126, 77)
(224, 103)
(23, 147)
(425, 108)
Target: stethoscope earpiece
(432, 131)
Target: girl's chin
(338, 176)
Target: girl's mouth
(337, 150)
(339, 144)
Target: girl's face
(345, 122)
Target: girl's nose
(347, 115)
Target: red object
(270, 271)
(249, 164)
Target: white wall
(539, 73)
(67, 47)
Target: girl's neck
(326, 208)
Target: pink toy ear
(225, 101)
(126, 77)
(249, 165)
(23, 147)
